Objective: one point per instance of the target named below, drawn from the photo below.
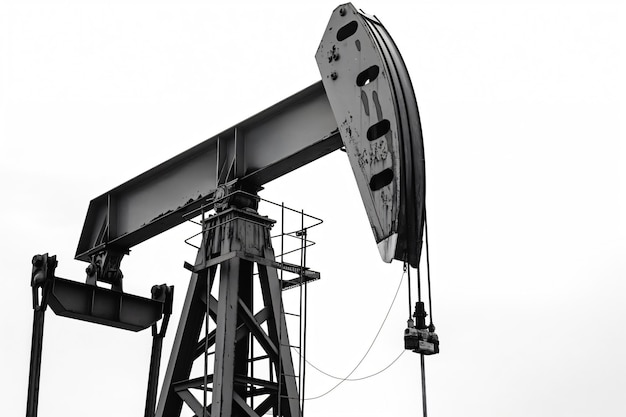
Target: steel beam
(365, 101)
(165, 294)
(276, 141)
(225, 353)
(35, 363)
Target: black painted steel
(280, 139)
(41, 278)
(234, 240)
(35, 363)
(103, 306)
(164, 294)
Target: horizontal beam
(284, 137)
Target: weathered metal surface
(234, 387)
(103, 306)
(182, 353)
(225, 339)
(372, 98)
(374, 108)
(276, 141)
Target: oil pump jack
(364, 105)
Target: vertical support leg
(35, 363)
(165, 294)
(225, 339)
(243, 352)
(186, 340)
(153, 377)
(41, 278)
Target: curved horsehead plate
(372, 98)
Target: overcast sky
(522, 107)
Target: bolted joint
(164, 294)
(43, 269)
(91, 271)
(38, 275)
(236, 195)
(419, 337)
(105, 267)
(243, 200)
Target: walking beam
(284, 137)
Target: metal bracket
(105, 267)
(419, 337)
(164, 294)
(41, 277)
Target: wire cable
(430, 301)
(368, 349)
(359, 378)
(423, 373)
(430, 310)
(419, 284)
(404, 269)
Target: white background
(522, 110)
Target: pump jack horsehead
(365, 104)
